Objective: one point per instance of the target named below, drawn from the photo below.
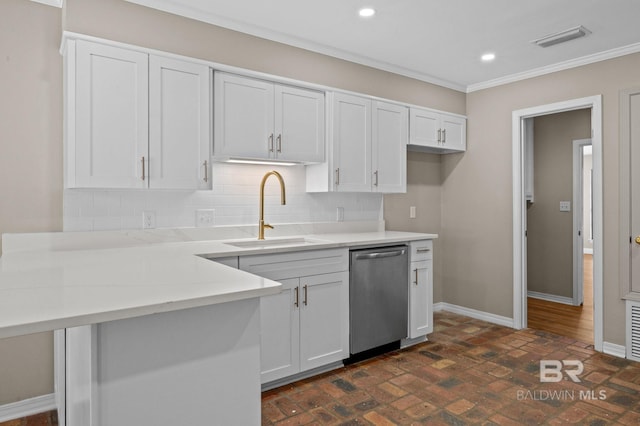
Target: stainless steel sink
(274, 243)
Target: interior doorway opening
(519, 117)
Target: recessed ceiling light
(488, 57)
(367, 12)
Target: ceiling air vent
(562, 36)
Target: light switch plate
(412, 212)
(565, 206)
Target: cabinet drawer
(421, 250)
(298, 264)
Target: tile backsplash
(234, 197)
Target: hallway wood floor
(566, 320)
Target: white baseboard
(588, 250)
(616, 350)
(27, 407)
(484, 316)
(550, 297)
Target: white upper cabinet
(107, 116)
(437, 132)
(259, 120)
(351, 143)
(369, 143)
(179, 114)
(389, 147)
(135, 120)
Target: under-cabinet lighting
(260, 162)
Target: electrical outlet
(148, 219)
(205, 218)
(339, 214)
(412, 212)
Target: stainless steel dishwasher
(378, 296)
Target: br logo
(552, 370)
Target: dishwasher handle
(380, 255)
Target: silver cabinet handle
(206, 171)
(143, 171)
(444, 135)
(305, 300)
(423, 250)
(279, 143)
(270, 143)
(376, 175)
(296, 302)
(416, 272)
(439, 135)
(338, 176)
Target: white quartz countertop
(77, 280)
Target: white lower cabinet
(306, 326)
(421, 289)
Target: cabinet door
(424, 126)
(420, 298)
(179, 117)
(279, 338)
(299, 125)
(352, 143)
(324, 319)
(243, 117)
(454, 132)
(389, 147)
(109, 149)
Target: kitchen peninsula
(151, 331)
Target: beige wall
(477, 238)
(30, 165)
(550, 231)
(424, 184)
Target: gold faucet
(261, 224)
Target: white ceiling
(439, 41)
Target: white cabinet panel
(243, 123)
(352, 143)
(110, 143)
(280, 336)
(437, 132)
(420, 298)
(424, 127)
(324, 319)
(299, 125)
(307, 325)
(369, 143)
(389, 147)
(421, 288)
(454, 132)
(259, 120)
(134, 120)
(178, 124)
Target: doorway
(594, 104)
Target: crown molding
(54, 3)
(199, 15)
(560, 66)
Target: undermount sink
(274, 243)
